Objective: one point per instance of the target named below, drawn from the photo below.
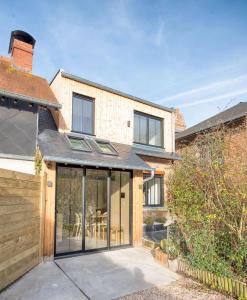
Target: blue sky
(190, 54)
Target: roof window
(106, 147)
(79, 144)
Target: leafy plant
(208, 196)
(149, 221)
(160, 220)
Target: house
(22, 96)
(106, 164)
(105, 154)
(233, 120)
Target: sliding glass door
(120, 208)
(69, 210)
(92, 209)
(96, 208)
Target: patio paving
(109, 275)
(105, 275)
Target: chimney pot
(21, 48)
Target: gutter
(93, 164)
(113, 91)
(16, 96)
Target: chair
(78, 225)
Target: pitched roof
(223, 117)
(54, 147)
(22, 85)
(111, 90)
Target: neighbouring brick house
(232, 120)
(22, 96)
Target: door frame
(109, 247)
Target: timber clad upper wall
(112, 112)
(19, 224)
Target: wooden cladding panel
(137, 207)
(19, 224)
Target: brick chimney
(21, 47)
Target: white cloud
(216, 85)
(160, 34)
(215, 98)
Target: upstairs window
(82, 114)
(153, 191)
(148, 130)
(78, 144)
(106, 147)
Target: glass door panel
(120, 208)
(115, 208)
(69, 210)
(96, 216)
(125, 208)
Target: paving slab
(44, 282)
(112, 274)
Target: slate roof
(46, 121)
(18, 123)
(54, 147)
(24, 86)
(226, 116)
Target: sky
(190, 54)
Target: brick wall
(22, 55)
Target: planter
(160, 256)
(173, 264)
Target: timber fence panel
(230, 286)
(19, 224)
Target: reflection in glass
(96, 209)
(69, 210)
(120, 208)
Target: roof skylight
(78, 144)
(106, 147)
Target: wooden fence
(19, 224)
(230, 286)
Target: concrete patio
(106, 275)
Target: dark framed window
(82, 114)
(78, 144)
(148, 130)
(105, 147)
(153, 191)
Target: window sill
(158, 207)
(149, 146)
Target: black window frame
(85, 98)
(162, 195)
(148, 117)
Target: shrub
(149, 221)
(160, 220)
(208, 196)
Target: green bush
(169, 247)
(160, 220)
(208, 196)
(149, 221)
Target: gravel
(184, 288)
